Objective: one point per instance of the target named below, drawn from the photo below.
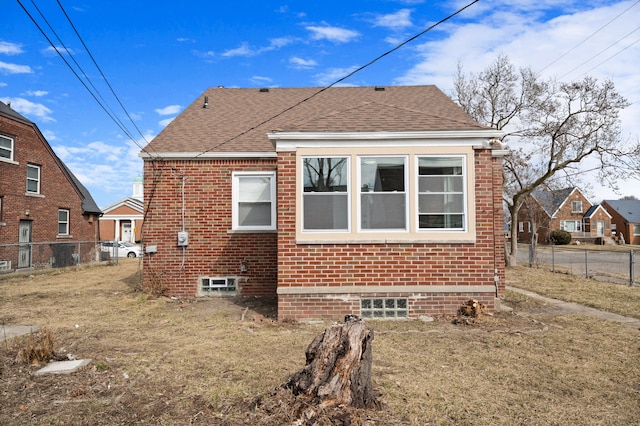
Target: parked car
(124, 249)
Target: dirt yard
(214, 361)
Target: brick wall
(423, 264)
(213, 249)
(56, 191)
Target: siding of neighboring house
(625, 214)
(58, 189)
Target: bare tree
(555, 132)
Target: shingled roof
(235, 118)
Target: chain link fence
(614, 265)
(45, 255)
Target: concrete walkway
(10, 331)
(575, 308)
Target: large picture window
(326, 193)
(254, 201)
(441, 193)
(383, 197)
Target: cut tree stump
(338, 368)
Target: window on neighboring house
(254, 201)
(520, 226)
(326, 193)
(383, 197)
(441, 197)
(63, 222)
(33, 179)
(636, 229)
(576, 207)
(6, 147)
(571, 225)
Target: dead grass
(165, 362)
(617, 298)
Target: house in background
(384, 202)
(122, 221)
(45, 212)
(625, 219)
(566, 209)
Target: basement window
(217, 285)
(388, 307)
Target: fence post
(553, 258)
(631, 268)
(586, 263)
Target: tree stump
(338, 367)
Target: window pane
(382, 174)
(325, 211)
(255, 188)
(636, 229)
(441, 203)
(441, 184)
(383, 211)
(325, 174)
(254, 214)
(63, 215)
(33, 172)
(5, 147)
(62, 228)
(441, 221)
(32, 186)
(433, 166)
(441, 198)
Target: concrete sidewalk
(575, 308)
(10, 331)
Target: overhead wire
(323, 89)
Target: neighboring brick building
(381, 202)
(565, 209)
(626, 218)
(41, 201)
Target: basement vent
(212, 285)
(5, 265)
(264, 89)
(389, 307)
(379, 89)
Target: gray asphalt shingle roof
(628, 209)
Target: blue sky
(159, 56)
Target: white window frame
(465, 193)
(10, 149)
(236, 199)
(576, 206)
(347, 194)
(636, 229)
(359, 191)
(36, 180)
(65, 222)
(578, 225)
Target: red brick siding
(212, 249)
(56, 189)
(327, 265)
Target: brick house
(42, 204)
(565, 209)
(122, 221)
(626, 219)
(376, 201)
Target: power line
(585, 40)
(611, 57)
(409, 40)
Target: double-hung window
(6, 147)
(441, 192)
(254, 201)
(383, 193)
(63, 222)
(576, 207)
(325, 195)
(33, 179)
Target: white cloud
(394, 21)
(164, 123)
(51, 51)
(36, 93)
(8, 48)
(333, 34)
(205, 55)
(34, 111)
(169, 110)
(332, 75)
(261, 80)
(246, 50)
(8, 68)
(299, 63)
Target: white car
(124, 249)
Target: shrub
(560, 237)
